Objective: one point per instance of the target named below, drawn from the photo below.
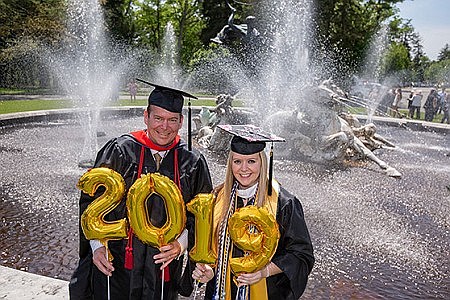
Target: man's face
(162, 125)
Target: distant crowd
(436, 104)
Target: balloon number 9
(139, 194)
(93, 219)
(261, 243)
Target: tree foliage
(444, 54)
(344, 30)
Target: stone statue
(208, 118)
(320, 134)
(231, 32)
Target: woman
(396, 102)
(246, 184)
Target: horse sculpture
(322, 134)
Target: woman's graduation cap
(172, 100)
(249, 139)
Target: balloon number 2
(260, 244)
(93, 218)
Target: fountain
(168, 70)
(88, 68)
(375, 237)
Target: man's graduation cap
(172, 100)
(249, 139)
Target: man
(136, 270)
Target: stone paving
(15, 284)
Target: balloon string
(107, 276)
(162, 283)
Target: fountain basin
(375, 237)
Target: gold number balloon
(92, 220)
(261, 243)
(202, 208)
(140, 193)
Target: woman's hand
(203, 273)
(101, 262)
(251, 278)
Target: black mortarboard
(172, 100)
(249, 139)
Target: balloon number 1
(202, 208)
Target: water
(88, 67)
(375, 237)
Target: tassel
(166, 274)
(129, 261)
(269, 184)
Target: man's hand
(102, 263)
(168, 253)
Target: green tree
(152, 16)
(347, 27)
(396, 62)
(184, 15)
(438, 72)
(444, 54)
(119, 20)
(24, 26)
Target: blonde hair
(229, 180)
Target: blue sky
(431, 19)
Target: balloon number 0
(139, 194)
(260, 243)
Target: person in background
(415, 105)
(442, 95)
(132, 88)
(396, 102)
(410, 97)
(248, 182)
(445, 109)
(136, 271)
(431, 105)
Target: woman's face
(246, 168)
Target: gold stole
(258, 290)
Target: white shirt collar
(248, 192)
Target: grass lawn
(13, 106)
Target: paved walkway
(18, 285)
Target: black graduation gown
(294, 254)
(144, 280)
